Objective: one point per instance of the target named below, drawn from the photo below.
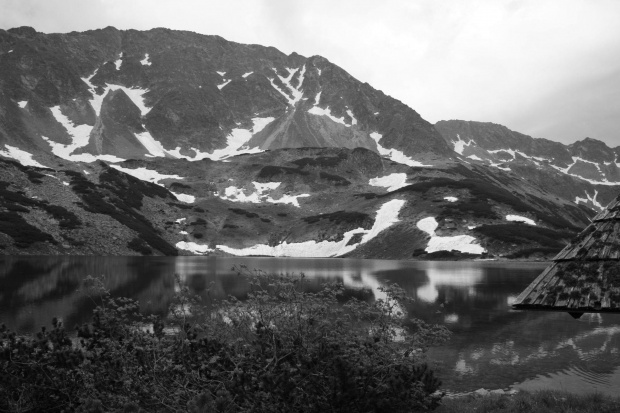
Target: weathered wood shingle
(585, 275)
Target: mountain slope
(586, 171)
(131, 94)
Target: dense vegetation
(288, 347)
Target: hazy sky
(547, 68)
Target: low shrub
(288, 347)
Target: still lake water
(492, 346)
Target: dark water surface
(492, 346)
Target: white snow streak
(154, 147)
(23, 157)
(148, 175)
(589, 198)
(519, 218)
(353, 120)
(462, 243)
(220, 86)
(315, 110)
(392, 182)
(221, 73)
(386, 216)
(296, 92)
(474, 157)
(246, 74)
(394, 154)
(145, 61)
(450, 198)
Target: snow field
(519, 218)
(394, 154)
(23, 157)
(188, 199)
(392, 182)
(386, 216)
(234, 194)
(193, 247)
(462, 243)
(147, 175)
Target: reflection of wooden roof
(585, 276)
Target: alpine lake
(492, 345)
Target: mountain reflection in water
(492, 346)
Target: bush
(286, 348)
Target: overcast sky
(547, 68)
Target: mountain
(168, 142)
(586, 171)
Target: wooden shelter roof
(585, 275)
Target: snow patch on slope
(315, 110)
(386, 216)
(450, 198)
(145, 174)
(135, 94)
(22, 103)
(119, 62)
(80, 135)
(459, 145)
(394, 154)
(462, 243)
(246, 74)
(188, 199)
(392, 182)
(236, 141)
(145, 61)
(519, 218)
(234, 194)
(193, 247)
(220, 86)
(23, 157)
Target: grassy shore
(537, 402)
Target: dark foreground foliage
(286, 348)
